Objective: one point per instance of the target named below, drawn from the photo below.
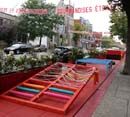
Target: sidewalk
(116, 102)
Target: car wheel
(17, 52)
(11, 52)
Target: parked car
(63, 52)
(41, 48)
(18, 48)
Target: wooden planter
(101, 56)
(115, 54)
(9, 80)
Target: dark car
(63, 52)
(19, 48)
(41, 48)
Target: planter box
(115, 54)
(9, 80)
(101, 57)
(114, 57)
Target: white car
(19, 48)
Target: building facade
(85, 23)
(6, 23)
(89, 39)
(64, 30)
(6, 19)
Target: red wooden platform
(82, 106)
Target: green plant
(8, 63)
(41, 60)
(77, 53)
(25, 62)
(32, 62)
(95, 53)
(0, 66)
(21, 63)
(55, 58)
(45, 60)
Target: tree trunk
(40, 42)
(127, 60)
(126, 7)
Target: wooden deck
(83, 106)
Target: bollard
(96, 78)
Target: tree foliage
(124, 5)
(107, 42)
(119, 24)
(41, 24)
(76, 37)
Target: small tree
(76, 36)
(39, 25)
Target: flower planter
(9, 80)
